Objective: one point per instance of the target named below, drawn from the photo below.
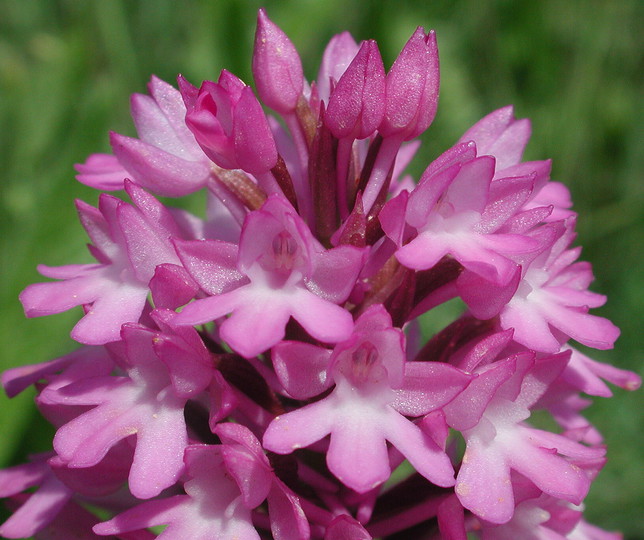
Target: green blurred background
(67, 69)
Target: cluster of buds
(259, 372)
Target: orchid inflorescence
(260, 372)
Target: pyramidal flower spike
(264, 370)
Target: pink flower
(129, 243)
(553, 293)
(279, 268)
(500, 442)
(306, 277)
(374, 388)
(212, 504)
(225, 483)
(165, 159)
(144, 403)
(455, 211)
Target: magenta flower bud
(253, 140)
(338, 54)
(229, 124)
(357, 104)
(277, 67)
(412, 87)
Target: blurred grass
(67, 68)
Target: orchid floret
(374, 388)
(129, 242)
(287, 273)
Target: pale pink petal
(152, 125)
(158, 170)
(46, 298)
(170, 101)
(288, 521)
(146, 246)
(590, 330)
(530, 328)
(466, 410)
(211, 263)
(551, 473)
(21, 477)
(171, 286)
(38, 511)
(428, 386)
(102, 171)
(469, 190)
(322, 319)
(160, 443)
(208, 309)
(255, 326)
(298, 429)
(483, 484)
(489, 128)
(83, 442)
(301, 368)
(508, 148)
(421, 451)
(423, 252)
(143, 516)
(357, 455)
(335, 273)
(102, 322)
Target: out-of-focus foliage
(67, 68)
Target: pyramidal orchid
(374, 389)
(264, 369)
